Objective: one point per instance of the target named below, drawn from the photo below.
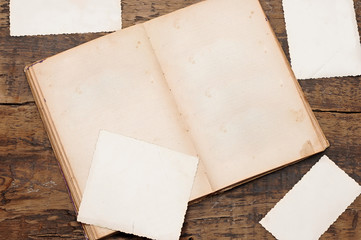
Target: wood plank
(134, 12)
(21, 130)
(236, 213)
(341, 94)
(34, 202)
(19, 51)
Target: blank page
(112, 83)
(234, 89)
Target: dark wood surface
(34, 202)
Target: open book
(209, 80)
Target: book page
(234, 89)
(112, 83)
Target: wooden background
(34, 202)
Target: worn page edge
(70, 181)
(321, 136)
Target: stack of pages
(206, 85)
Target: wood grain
(34, 202)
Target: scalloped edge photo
(313, 204)
(137, 187)
(323, 38)
(45, 17)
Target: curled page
(306, 211)
(39, 17)
(137, 187)
(323, 38)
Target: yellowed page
(234, 89)
(112, 83)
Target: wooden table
(34, 202)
